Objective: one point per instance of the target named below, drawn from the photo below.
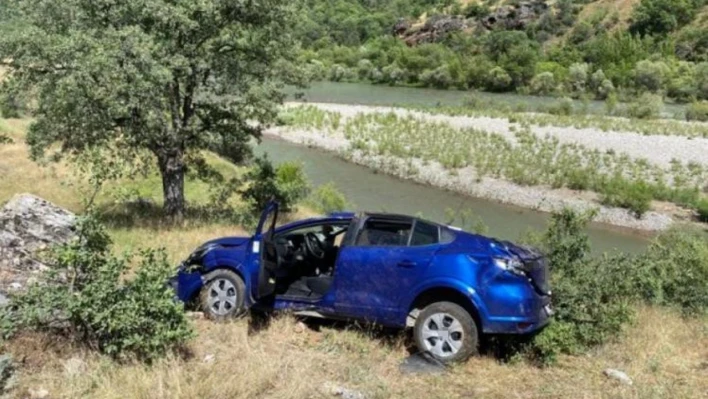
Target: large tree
(172, 77)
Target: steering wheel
(314, 245)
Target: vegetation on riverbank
(526, 159)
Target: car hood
(228, 241)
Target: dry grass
(666, 356)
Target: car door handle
(406, 264)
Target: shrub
(439, 77)
(702, 208)
(87, 297)
(648, 106)
(590, 296)
(327, 199)
(364, 68)
(650, 75)
(635, 196)
(286, 184)
(697, 111)
(662, 16)
(611, 103)
(543, 83)
(562, 107)
(675, 271)
(498, 79)
(578, 77)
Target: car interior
(306, 258)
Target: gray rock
(421, 363)
(618, 375)
(210, 358)
(7, 373)
(28, 226)
(74, 367)
(346, 393)
(3, 300)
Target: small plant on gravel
(88, 297)
(697, 111)
(633, 196)
(647, 106)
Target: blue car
(450, 286)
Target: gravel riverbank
(659, 150)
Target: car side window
(425, 234)
(384, 232)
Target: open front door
(268, 253)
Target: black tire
(453, 344)
(227, 306)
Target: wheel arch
(443, 293)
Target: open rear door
(268, 254)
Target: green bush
(635, 196)
(697, 111)
(662, 16)
(674, 271)
(286, 184)
(702, 209)
(648, 106)
(543, 83)
(327, 199)
(562, 107)
(590, 295)
(87, 296)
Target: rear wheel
(223, 294)
(446, 331)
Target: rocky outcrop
(510, 17)
(29, 225)
(434, 29)
(516, 16)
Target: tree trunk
(172, 170)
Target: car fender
(450, 283)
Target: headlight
(197, 255)
(513, 265)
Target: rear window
(382, 232)
(424, 234)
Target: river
(368, 94)
(371, 191)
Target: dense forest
(578, 48)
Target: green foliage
(562, 107)
(702, 209)
(650, 75)
(286, 184)
(674, 271)
(327, 199)
(88, 297)
(590, 296)
(169, 78)
(543, 83)
(662, 16)
(697, 111)
(647, 106)
(635, 196)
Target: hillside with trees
(578, 48)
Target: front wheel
(447, 332)
(222, 296)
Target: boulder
(29, 225)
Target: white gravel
(656, 149)
(659, 150)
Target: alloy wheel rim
(222, 297)
(442, 335)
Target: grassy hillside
(583, 49)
